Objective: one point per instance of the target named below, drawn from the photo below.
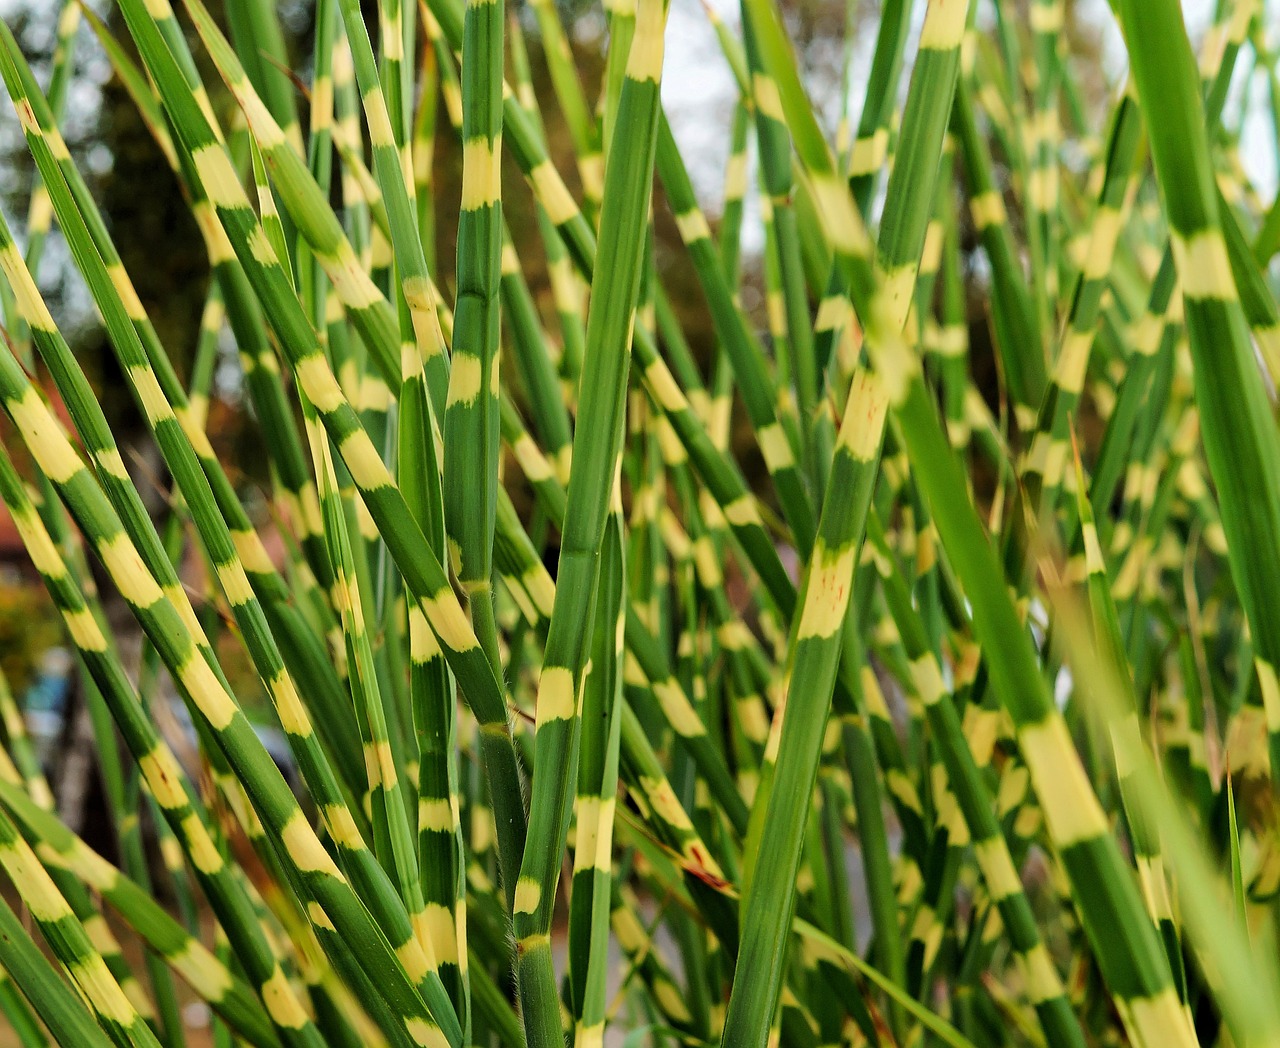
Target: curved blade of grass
(770, 900)
(602, 402)
(1241, 441)
(66, 1015)
(227, 995)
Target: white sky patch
(699, 93)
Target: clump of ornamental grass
(589, 720)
